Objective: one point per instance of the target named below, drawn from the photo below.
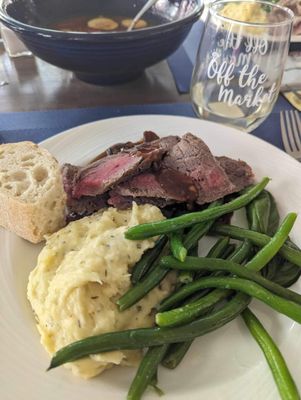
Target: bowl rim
(19, 26)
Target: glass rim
(290, 15)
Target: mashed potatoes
(81, 272)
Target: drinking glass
(240, 62)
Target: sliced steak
(164, 184)
(86, 205)
(98, 177)
(239, 172)
(192, 157)
(69, 175)
(166, 143)
(148, 136)
(160, 171)
(107, 172)
(79, 208)
(124, 202)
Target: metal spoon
(143, 10)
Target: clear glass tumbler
(240, 62)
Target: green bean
(136, 293)
(145, 231)
(215, 251)
(146, 371)
(283, 306)
(176, 246)
(191, 240)
(219, 248)
(154, 385)
(175, 354)
(199, 230)
(196, 233)
(149, 337)
(285, 383)
(229, 250)
(185, 277)
(177, 351)
(259, 211)
(271, 249)
(188, 312)
(243, 252)
(259, 239)
(149, 257)
(215, 264)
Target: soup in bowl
(91, 38)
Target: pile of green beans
(211, 290)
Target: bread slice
(32, 197)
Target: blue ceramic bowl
(100, 57)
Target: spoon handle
(146, 6)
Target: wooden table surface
(28, 84)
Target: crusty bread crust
(32, 197)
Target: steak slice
(239, 172)
(86, 205)
(69, 175)
(99, 176)
(105, 173)
(148, 136)
(164, 184)
(166, 143)
(79, 208)
(124, 202)
(192, 157)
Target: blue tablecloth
(39, 125)
(182, 61)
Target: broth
(99, 24)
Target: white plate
(225, 365)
